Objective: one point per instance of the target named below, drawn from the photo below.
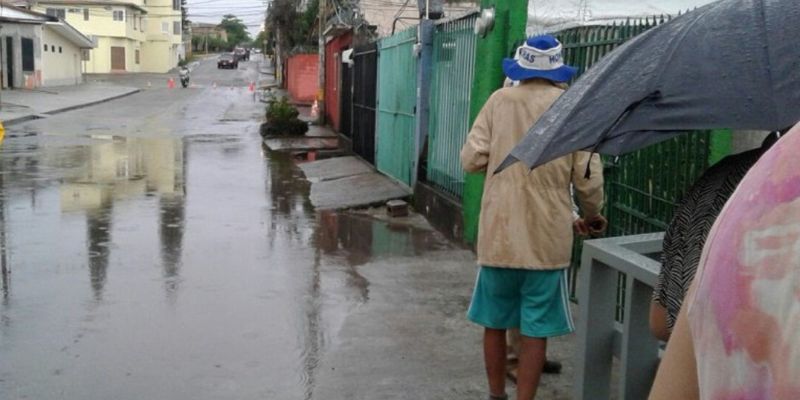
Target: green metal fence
(453, 71)
(397, 98)
(643, 187)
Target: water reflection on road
(174, 266)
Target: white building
(38, 50)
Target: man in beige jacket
(526, 225)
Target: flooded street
(153, 249)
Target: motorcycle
(184, 73)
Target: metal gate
(397, 99)
(346, 101)
(365, 81)
(454, 47)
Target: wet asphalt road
(155, 250)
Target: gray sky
(211, 11)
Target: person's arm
(658, 321)
(475, 153)
(589, 191)
(677, 374)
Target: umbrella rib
(620, 118)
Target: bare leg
(531, 361)
(494, 355)
(513, 343)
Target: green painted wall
(499, 43)
(721, 145)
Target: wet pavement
(152, 248)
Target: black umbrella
(731, 64)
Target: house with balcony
(204, 34)
(130, 36)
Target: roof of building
(95, 3)
(203, 25)
(70, 33)
(9, 13)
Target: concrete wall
(159, 57)
(161, 48)
(302, 77)
(21, 79)
(100, 58)
(333, 71)
(61, 62)
(742, 141)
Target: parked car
(241, 54)
(227, 61)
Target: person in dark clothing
(686, 235)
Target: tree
(296, 27)
(260, 40)
(185, 23)
(236, 29)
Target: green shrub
(281, 111)
(282, 120)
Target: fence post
(427, 28)
(509, 27)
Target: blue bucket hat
(539, 57)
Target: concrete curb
(31, 117)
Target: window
(176, 27)
(136, 56)
(27, 55)
(134, 22)
(119, 15)
(141, 24)
(56, 12)
(59, 49)
(45, 47)
(176, 4)
(85, 14)
(87, 55)
(165, 27)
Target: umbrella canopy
(731, 64)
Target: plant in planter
(282, 120)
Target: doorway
(117, 58)
(9, 62)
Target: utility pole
(509, 27)
(427, 27)
(2, 66)
(323, 19)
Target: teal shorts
(536, 302)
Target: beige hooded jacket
(526, 217)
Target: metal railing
(640, 197)
(454, 49)
(601, 337)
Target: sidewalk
(20, 105)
